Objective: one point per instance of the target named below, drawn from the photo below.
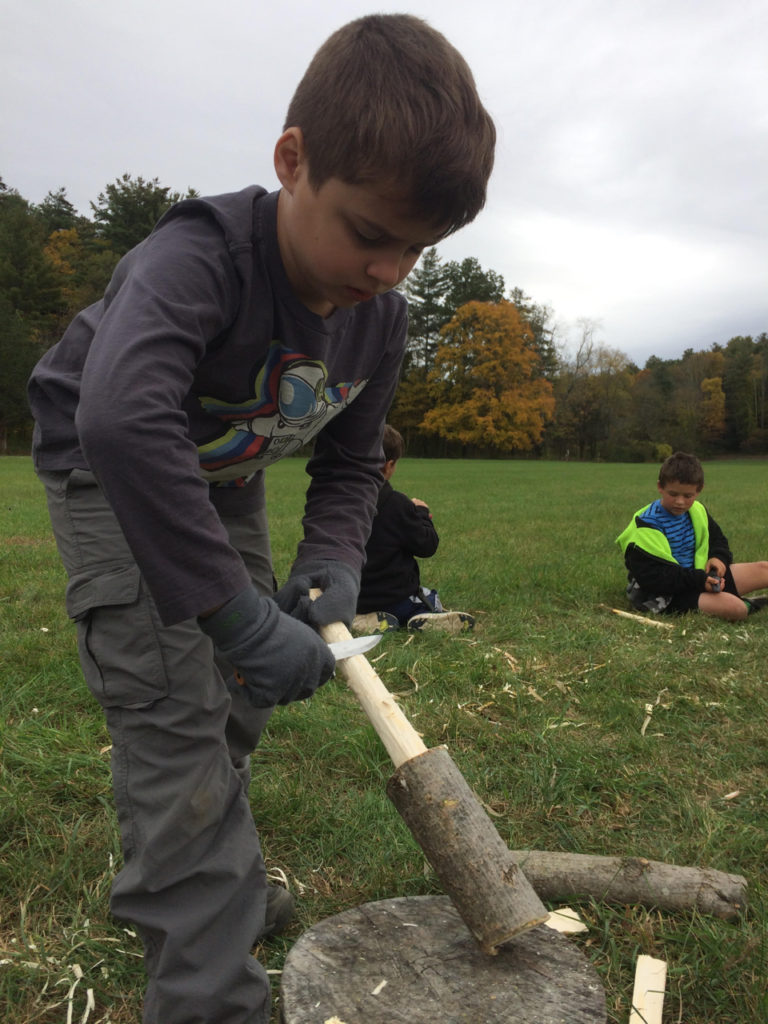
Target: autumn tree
(83, 264)
(487, 392)
(712, 417)
(434, 291)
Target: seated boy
(391, 594)
(677, 556)
(245, 326)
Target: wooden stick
(639, 618)
(648, 993)
(634, 880)
(395, 731)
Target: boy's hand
(713, 583)
(715, 570)
(339, 583)
(279, 658)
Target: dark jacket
(658, 573)
(400, 531)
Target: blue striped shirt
(677, 529)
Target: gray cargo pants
(193, 881)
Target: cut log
(627, 880)
(413, 961)
(474, 864)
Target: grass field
(542, 709)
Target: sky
(630, 189)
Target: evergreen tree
(128, 209)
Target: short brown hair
(388, 99)
(393, 444)
(682, 467)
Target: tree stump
(414, 961)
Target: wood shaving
(566, 921)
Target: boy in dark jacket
(391, 593)
(245, 326)
(677, 556)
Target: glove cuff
(247, 610)
(321, 565)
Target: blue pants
(426, 602)
(193, 880)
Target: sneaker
(375, 622)
(449, 622)
(281, 910)
(755, 604)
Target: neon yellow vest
(651, 540)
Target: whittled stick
(639, 618)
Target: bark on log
(413, 961)
(474, 864)
(561, 876)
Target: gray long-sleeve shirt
(198, 369)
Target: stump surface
(414, 961)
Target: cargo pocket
(119, 648)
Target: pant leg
(193, 880)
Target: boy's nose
(386, 271)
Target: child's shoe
(754, 604)
(374, 622)
(448, 622)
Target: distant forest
(485, 373)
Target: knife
(341, 649)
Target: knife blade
(341, 649)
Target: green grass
(542, 710)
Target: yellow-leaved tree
(486, 381)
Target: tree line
(486, 373)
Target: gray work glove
(278, 658)
(339, 583)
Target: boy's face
(677, 497)
(342, 244)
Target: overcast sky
(631, 182)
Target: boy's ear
(289, 157)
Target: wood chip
(566, 921)
(648, 993)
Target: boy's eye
(366, 238)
